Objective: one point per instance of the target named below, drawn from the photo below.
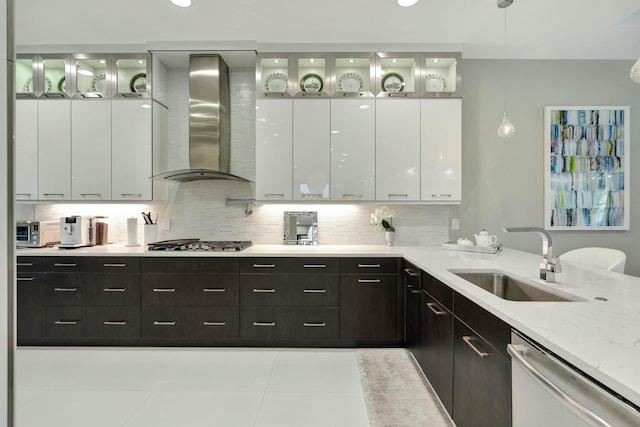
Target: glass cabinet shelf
(26, 84)
(354, 74)
(91, 76)
(441, 74)
(398, 74)
(272, 76)
(131, 76)
(312, 72)
(55, 76)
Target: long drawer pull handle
(65, 289)
(315, 266)
(315, 291)
(24, 264)
(410, 272)
(164, 289)
(368, 265)
(131, 194)
(115, 322)
(351, 195)
(264, 323)
(26, 279)
(214, 323)
(61, 264)
(164, 323)
(115, 265)
(23, 194)
(368, 280)
(91, 194)
(274, 195)
(314, 325)
(434, 307)
(264, 291)
(115, 289)
(467, 339)
(397, 195)
(53, 194)
(264, 266)
(66, 322)
(445, 196)
(214, 290)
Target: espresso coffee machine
(77, 231)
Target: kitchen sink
(508, 287)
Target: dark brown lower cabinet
(481, 381)
(293, 324)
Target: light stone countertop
(601, 338)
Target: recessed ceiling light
(394, 60)
(182, 3)
(312, 60)
(351, 61)
(435, 60)
(276, 61)
(85, 72)
(407, 3)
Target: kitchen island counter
(599, 335)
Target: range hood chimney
(209, 122)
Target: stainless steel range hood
(209, 122)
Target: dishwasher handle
(518, 353)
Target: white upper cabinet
(398, 150)
(26, 166)
(353, 149)
(131, 148)
(441, 158)
(91, 150)
(54, 149)
(311, 149)
(274, 149)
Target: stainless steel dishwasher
(548, 391)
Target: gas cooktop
(199, 245)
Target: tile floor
(188, 387)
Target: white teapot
(485, 239)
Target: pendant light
(506, 128)
(634, 73)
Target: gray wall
(503, 179)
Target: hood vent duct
(209, 122)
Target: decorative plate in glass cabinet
(353, 74)
(55, 76)
(312, 72)
(132, 78)
(441, 74)
(397, 74)
(91, 76)
(272, 76)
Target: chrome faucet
(549, 266)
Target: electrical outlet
(166, 224)
(455, 223)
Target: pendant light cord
(505, 58)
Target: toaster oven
(37, 234)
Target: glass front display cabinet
(353, 74)
(273, 73)
(313, 72)
(441, 73)
(397, 74)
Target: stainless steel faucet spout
(548, 266)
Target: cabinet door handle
(114, 265)
(264, 291)
(410, 272)
(351, 196)
(264, 323)
(442, 196)
(65, 289)
(164, 289)
(267, 195)
(90, 194)
(368, 265)
(264, 266)
(398, 195)
(368, 280)
(467, 339)
(315, 266)
(214, 290)
(310, 195)
(115, 289)
(314, 324)
(315, 291)
(26, 279)
(24, 264)
(131, 194)
(115, 322)
(53, 194)
(214, 323)
(66, 322)
(23, 194)
(164, 323)
(62, 264)
(434, 307)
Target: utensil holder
(150, 233)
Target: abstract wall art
(586, 168)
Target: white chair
(605, 258)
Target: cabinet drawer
(112, 322)
(28, 263)
(114, 265)
(190, 322)
(289, 290)
(65, 264)
(30, 298)
(441, 292)
(493, 330)
(289, 323)
(411, 276)
(289, 265)
(189, 265)
(64, 322)
(111, 289)
(190, 289)
(63, 289)
(368, 265)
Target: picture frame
(587, 162)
